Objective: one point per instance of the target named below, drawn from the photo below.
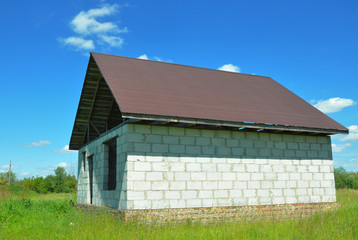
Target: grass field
(27, 215)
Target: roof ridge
(183, 65)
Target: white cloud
(144, 56)
(38, 144)
(158, 59)
(340, 147)
(65, 150)
(90, 31)
(333, 104)
(353, 134)
(25, 174)
(63, 164)
(7, 167)
(229, 68)
(85, 22)
(112, 41)
(79, 43)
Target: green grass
(54, 217)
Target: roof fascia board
(258, 126)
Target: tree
(4, 177)
(60, 177)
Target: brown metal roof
(166, 89)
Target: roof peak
(178, 64)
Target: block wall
(171, 167)
(162, 167)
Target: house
(175, 142)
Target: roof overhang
(240, 126)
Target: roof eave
(187, 122)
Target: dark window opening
(112, 165)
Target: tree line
(59, 182)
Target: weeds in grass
(57, 218)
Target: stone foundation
(221, 214)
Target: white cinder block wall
(171, 167)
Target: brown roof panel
(166, 89)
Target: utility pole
(10, 174)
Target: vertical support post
(10, 173)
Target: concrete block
(187, 140)
(265, 168)
(278, 168)
(318, 176)
(265, 201)
(229, 176)
(289, 192)
(189, 194)
(176, 148)
(223, 151)
(209, 185)
(193, 132)
(154, 195)
(177, 203)
(141, 204)
(207, 133)
(315, 146)
(249, 193)
(243, 176)
(142, 147)
(208, 150)
(282, 176)
(177, 167)
(304, 146)
(238, 151)
(277, 153)
(193, 203)
(264, 152)
(259, 144)
(154, 176)
(313, 169)
(218, 142)
(291, 184)
(232, 143)
(160, 166)
(160, 185)
(270, 176)
(208, 167)
(315, 199)
(267, 184)
(252, 168)
(253, 185)
(312, 154)
(324, 154)
(280, 145)
(279, 184)
(324, 169)
(252, 152)
(172, 195)
(171, 139)
(307, 176)
(142, 166)
(278, 200)
(240, 184)
(205, 194)
(160, 204)
(209, 202)
(292, 145)
(160, 148)
(198, 176)
(263, 193)
(203, 141)
(153, 138)
(141, 185)
(276, 192)
(223, 167)
(193, 167)
(257, 176)
(203, 159)
(242, 201)
(246, 144)
(177, 131)
(147, 129)
(195, 150)
(295, 176)
(177, 185)
(214, 176)
(196, 185)
(238, 168)
(235, 193)
(291, 200)
(225, 185)
(136, 176)
(135, 137)
(301, 191)
(303, 199)
(182, 176)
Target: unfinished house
(174, 142)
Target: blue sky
(309, 47)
